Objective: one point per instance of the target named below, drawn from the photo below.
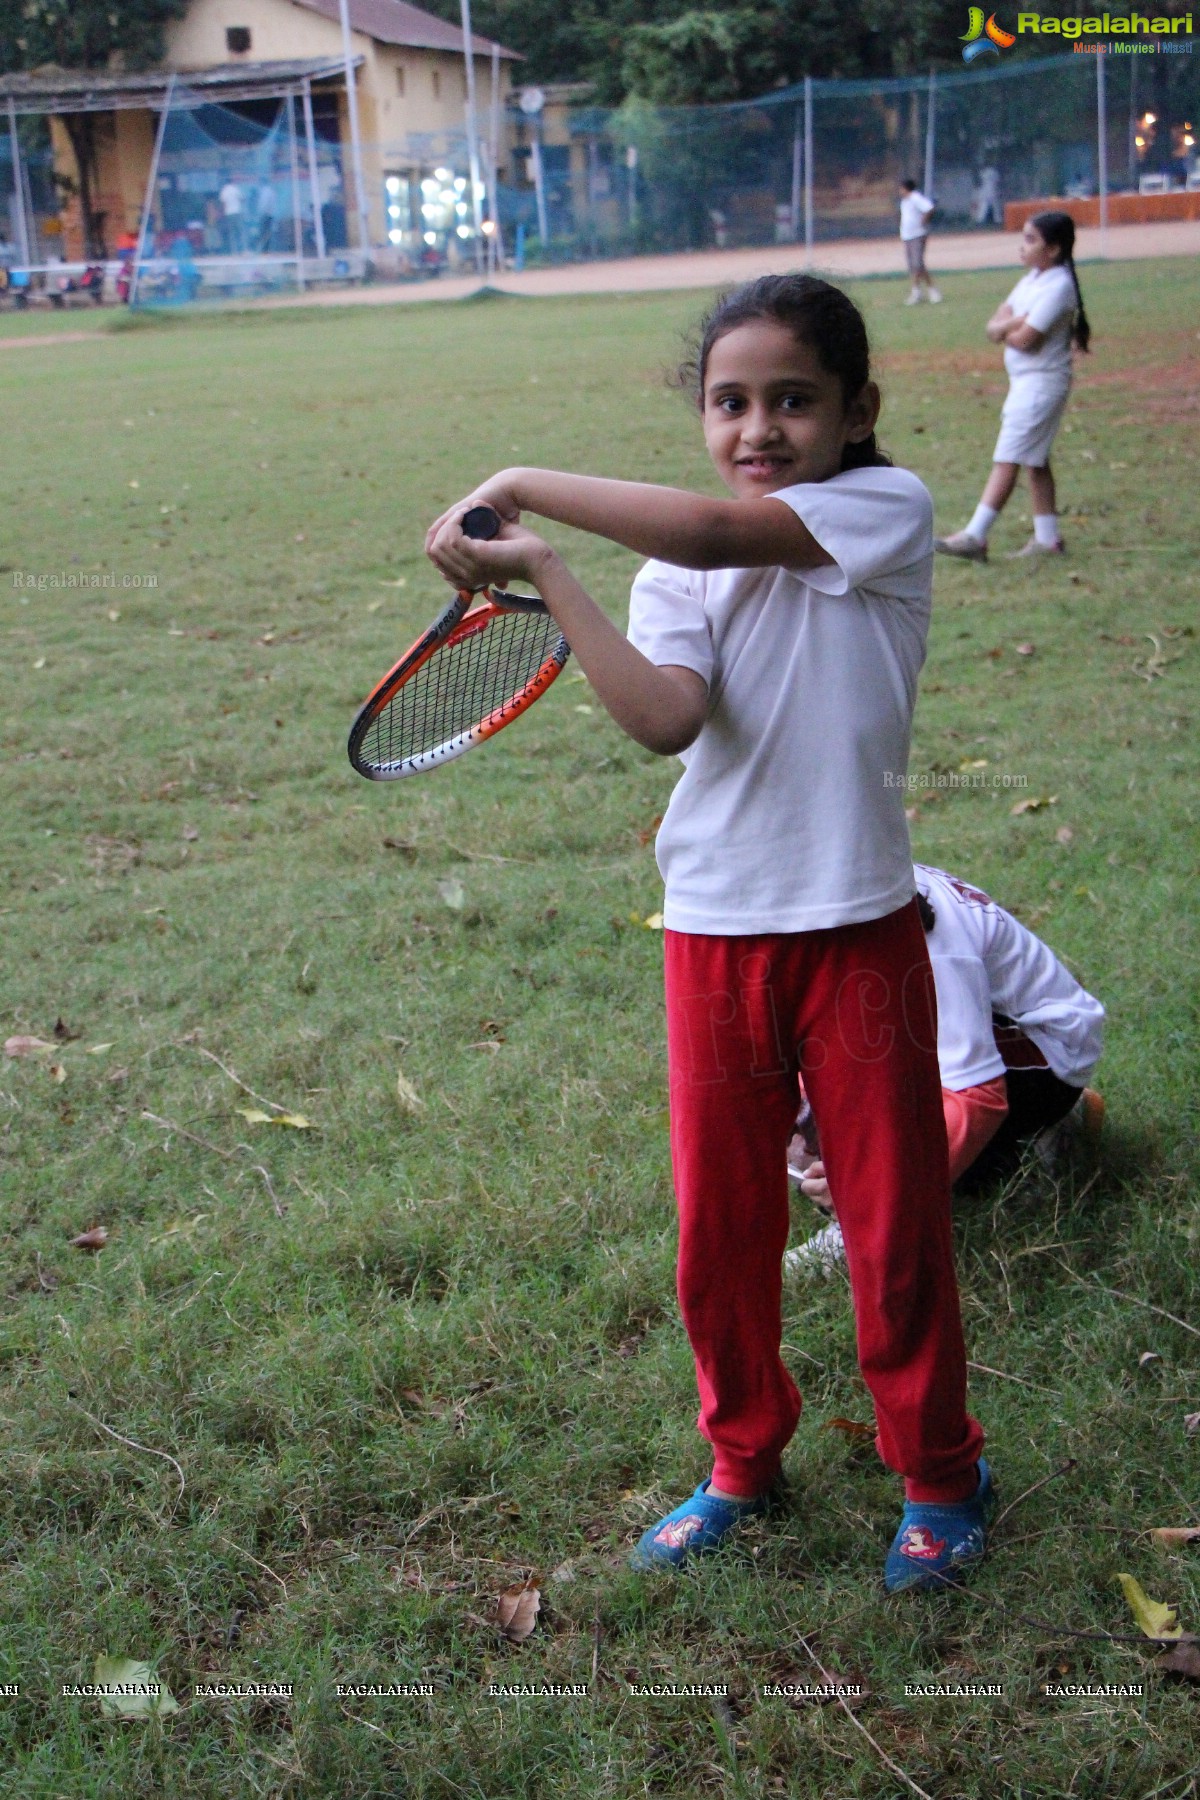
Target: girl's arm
(1005, 327)
(671, 524)
(662, 708)
(997, 326)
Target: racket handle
(481, 522)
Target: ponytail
(1057, 229)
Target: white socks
(1045, 529)
(982, 520)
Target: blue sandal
(936, 1545)
(699, 1523)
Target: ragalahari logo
(984, 38)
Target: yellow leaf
(1028, 806)
(653, 921)
(57, 1073)
(407, 1094)
(296, 1121)
(1155, 1619)
(97, 1049)
(254, 1115)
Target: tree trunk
(81, 129)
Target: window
(400, 79)
(237, 39)
(436, 78)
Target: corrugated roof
(396, 22)
(97, 90)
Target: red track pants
(853, 1010)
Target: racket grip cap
(481, 522)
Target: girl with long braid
(1038, 324)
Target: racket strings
(461, 685)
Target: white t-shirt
(789, 815)
(231, 199)
(1045, 298)
(916, 210)
(985, 961)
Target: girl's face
(773, 414)
(1036, 253)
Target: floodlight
(431, 237)
(392, 184)
(395, 237)
(444, 174)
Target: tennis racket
(470, 674)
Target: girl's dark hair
(928, 916)
(1057, 229)
(817, 314)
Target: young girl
(1018, 1039)
(774, 644)
(1037, 324)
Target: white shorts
(1030, 420)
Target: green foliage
(84, 34)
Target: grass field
(326, 1394)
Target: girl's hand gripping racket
(463, 680)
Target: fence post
(472, 135)
(18, 185)
(797, 166)
(314, 174)
(930, 133)
(297, 221)
(1102, 148)
(150, 190)
(808, 172)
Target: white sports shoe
(934, 295)
(824, 1252)
(913, 298)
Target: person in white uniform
(916, 210)
(1017, 1039)
(1038, 324)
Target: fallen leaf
(851, 1428)
(910, 813)
(1148, 1356)
(254, 1116)
(1024, 649)
(1183, 1660)
(407, 1094)
(402, 581)
(63, 1033)
(1152, 1616)
(97, 1049)
(646, 836)
(26, 1046)
(190, 834)
(122, 1672)
(1028, 806)
(516, 1612)
(408, 851)
(114, 613)
(1173, 1537)
(1064, 835)
(56, 1072)
(653, 921)
(583, 708)
(1191, 1423)
(453, 893)
(92, 1240)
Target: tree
(84, 34)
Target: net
(246, 200)
(471, 687)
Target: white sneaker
(934, 295)
(913, 298)
(824, 1252)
